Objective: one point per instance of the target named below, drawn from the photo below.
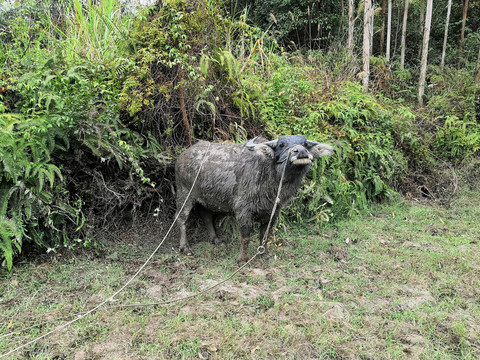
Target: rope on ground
(260, 251)
(112, 297)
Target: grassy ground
(400, 282)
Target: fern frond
(7, 232)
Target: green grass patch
(398, 281)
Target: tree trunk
(181, 97)
(342, 19)
(421, 26)
(423, 62)
(382, 34)
(367, 15)
(389, 30)
(371, 27)
(351, 25)
(445, 36)
(310, 27)
(404, 35)
(462, 33)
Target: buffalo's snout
(300, 156)
(300, 152)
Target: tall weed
(97, 31)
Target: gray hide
(242, 180)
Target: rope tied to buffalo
(260, 250)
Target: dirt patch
(241, 290)
(413, 297)
(472, 327)
(337, 312)
(338, 253)
(112, 348)
(417, 246)
(413, 344)
(156, 292)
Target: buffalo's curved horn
(272, 144)
(251, 145)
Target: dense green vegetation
(96, 101)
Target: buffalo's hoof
(186, 251)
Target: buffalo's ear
(311, 143)
(264, 150)
(320, 149)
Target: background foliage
(96, 101)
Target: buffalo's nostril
(302, 153)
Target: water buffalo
(242, 180)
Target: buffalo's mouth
(301, 161)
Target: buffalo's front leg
(181, 221)
(245, 232)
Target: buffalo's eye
(305, 144)
(282, 145)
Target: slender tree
(367, 16)
(445, 36)
(423, 61)
(351, 25)
(371, 27)
(404, 35)
(389, 29)
(382, 34)
(421, 26)
(342, 19)
(462, 32)
(310, 25)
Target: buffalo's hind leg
(207, 218)
(183, 214)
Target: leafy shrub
(457, 140)
(367, 133)
(11, 236)
(196, 73)
(453, 93)
(59, 124)
(33, 202)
